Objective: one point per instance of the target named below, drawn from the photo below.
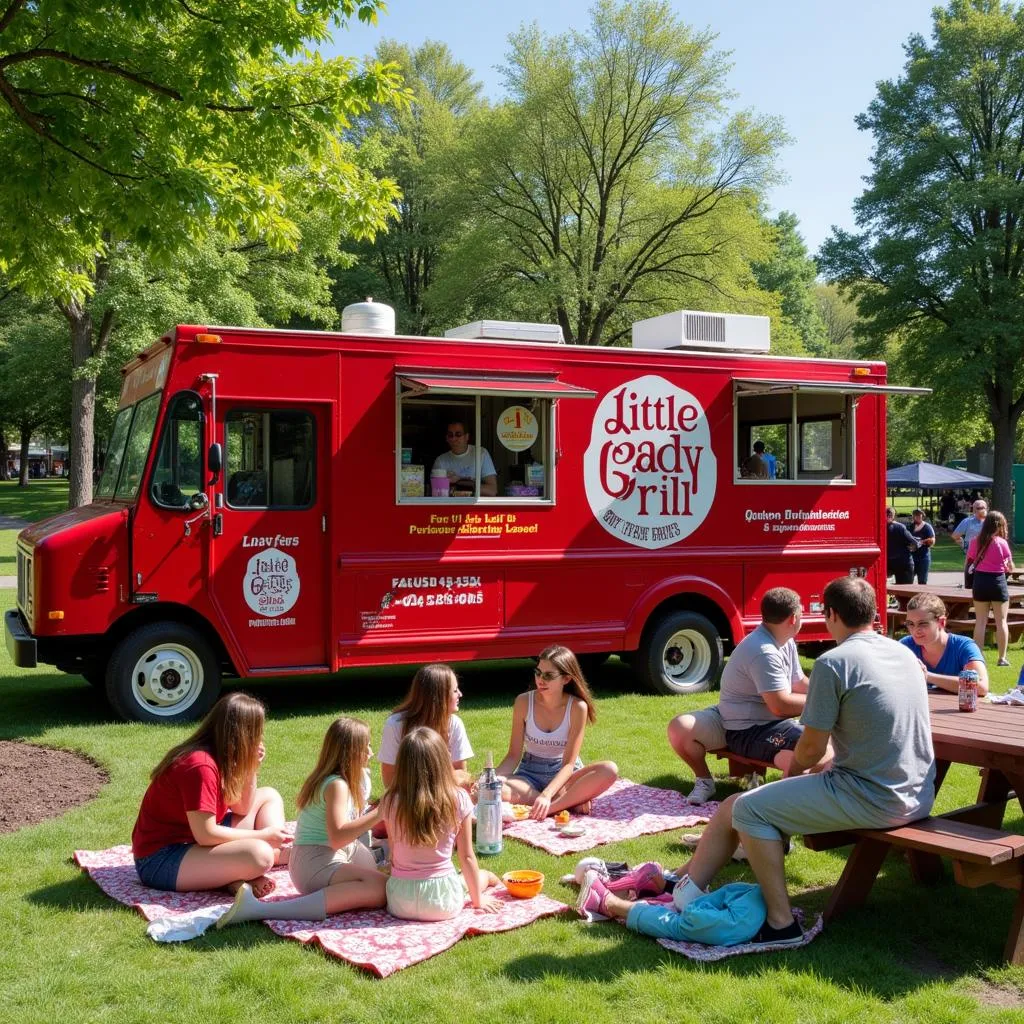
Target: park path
(11, 523)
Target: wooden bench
(740, 766)
(896, 619)
(980, 856)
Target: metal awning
(762, 386)
(511, 385)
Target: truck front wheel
(682, 653)
(163, 672)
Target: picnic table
(992, 739)
(959, 607)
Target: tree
(838, 315)
(612, 181)
(35, 372)
(156, 122)
(417, 147)
(940, 252)
(791, 273)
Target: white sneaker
(703, 790)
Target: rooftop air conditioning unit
(718, 332)
(508, 330)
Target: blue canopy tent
(926, 476)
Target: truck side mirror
(198, 501)
(215, 459)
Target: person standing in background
(899, 542)
(921, 530)
(967, 530)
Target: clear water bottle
(488, 811)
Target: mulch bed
(37, 783)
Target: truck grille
(25, 585)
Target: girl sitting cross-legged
(548, 724)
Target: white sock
(685, 892)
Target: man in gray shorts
(864, 695)
(763, 688)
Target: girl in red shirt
(204, 823)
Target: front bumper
(21, 645)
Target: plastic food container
(523, 884)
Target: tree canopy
(940, 251)
(613, 184)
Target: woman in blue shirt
(942, 656)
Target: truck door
(269, 545)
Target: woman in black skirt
(989, 559)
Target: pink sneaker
(644, 878)
(593, 893)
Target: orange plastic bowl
(523, 884)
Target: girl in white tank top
(547, 773)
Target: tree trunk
(83, 411)
(26, 436)
(1004, 425)
(4, 472)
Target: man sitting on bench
(763, 688)
(862, 694)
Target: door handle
(218, 524)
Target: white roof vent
(719, 332)
(368, 317)
(508, 330)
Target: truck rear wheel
(682, 653)
(163, 672)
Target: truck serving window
(793, 432)
(477, 436)
(270, 459)
(178, 472)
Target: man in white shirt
(460, 463)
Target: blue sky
(814, 63)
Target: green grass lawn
(71, 954)
(40, 499)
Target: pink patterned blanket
(371, 938)
(627, 810)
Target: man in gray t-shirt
(863, 694)
(763, 689)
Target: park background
(169, 162)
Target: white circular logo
(649, 471)
(271, 584)
(517, 428)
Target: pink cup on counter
(439, 485)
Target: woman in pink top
(988, 560)
(427, 815)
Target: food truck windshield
(128, 449)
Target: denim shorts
(160, 869)
(539, 771)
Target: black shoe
(791, 935)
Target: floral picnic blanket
(627, 810)
(371, 939)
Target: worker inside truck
(459, 462)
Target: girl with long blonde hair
(427, 816)
(204, 822)
(548, 724)
(333, 870)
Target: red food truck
(288, 502)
